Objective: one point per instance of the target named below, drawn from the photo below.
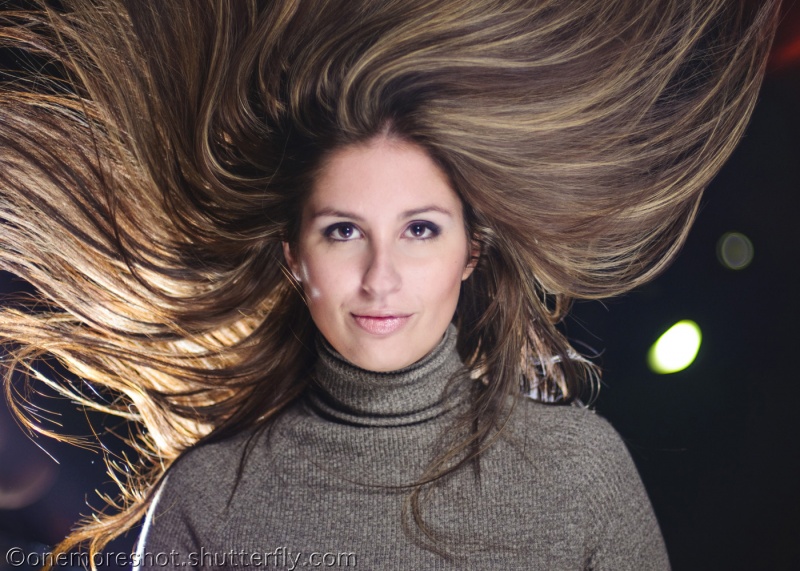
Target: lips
(381, 324)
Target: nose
(381, 276)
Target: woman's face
(381, 254)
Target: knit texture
(326, 485)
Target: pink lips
(381, 325)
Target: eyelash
(429, 226)
(426, 226)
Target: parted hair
(155, 155)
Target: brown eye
(423, 230)
(342, 232)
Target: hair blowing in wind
(154, 156)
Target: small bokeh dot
(735, 250)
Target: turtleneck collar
(410, 395)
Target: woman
(318, 251)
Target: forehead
(380, 178)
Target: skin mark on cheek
(311, 291)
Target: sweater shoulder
(573, 429)
(574, 446)
(580, 458)
(194, 494)
(210, 463)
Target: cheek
(438, 282)
(310, 280)
(326, 281)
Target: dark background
(717, 445)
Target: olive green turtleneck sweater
(557, 491)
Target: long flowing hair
(154, 156)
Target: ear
(290, 261)
(472, 261)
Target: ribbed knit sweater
(557, 489)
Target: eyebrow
(406, 214)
